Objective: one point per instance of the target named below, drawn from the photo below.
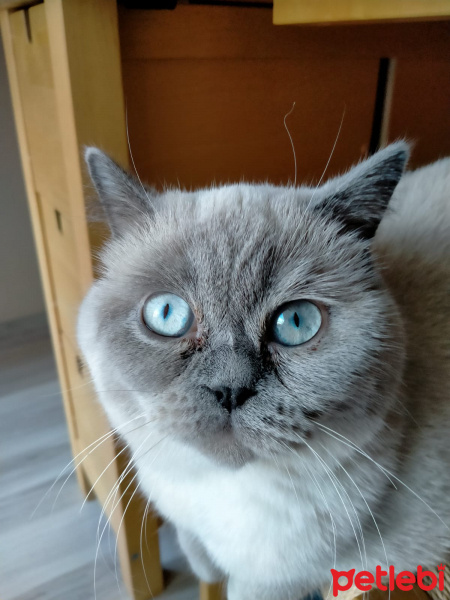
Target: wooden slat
(20, 57)
(357, 11)
(227, 32)
(69, 93)
(85, 55)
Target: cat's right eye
(167, 314)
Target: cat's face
(240, 317)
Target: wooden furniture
(357, 11)
(206, 89)
(64, 68)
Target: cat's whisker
(93, 450)
(367, 505)
(116, 486)
(135, 476)
(112, 495)
(95, 443)
(332, 477)
(144, 524)
(141, 545)
(388, 473)
(102, 473)
(127, 470)
(333, 523)
(355, 447)
(132, 496)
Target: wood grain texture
(420, 109)
(207, 89)
(197, 116)
(197, 122)
(14, 36)
(66, 61)
(227, 32)
(357, 11)
(86, 62)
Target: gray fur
(236, 254)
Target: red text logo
(365, 580)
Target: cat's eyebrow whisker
(354, 446)
(134, 166)
(329, 159)
(292, 143)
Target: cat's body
(354, 423)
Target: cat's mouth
(225, 445)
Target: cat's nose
(231, 398)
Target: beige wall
(20, 288)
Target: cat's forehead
(233, 249)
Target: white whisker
(367, 505)
(98, 442)
(329, 160)
(292, 143)
(331, 475)
(388, 473)
(352, 445)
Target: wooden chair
(206, 90)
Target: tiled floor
(50, 555)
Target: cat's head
(241, 318)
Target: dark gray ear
(359, 198)
(124, 198)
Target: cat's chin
(224, 449)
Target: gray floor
(50, 555)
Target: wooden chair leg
(142, 573)
(211, 591)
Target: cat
(277, 359)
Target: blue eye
(296, 323)
(168, 315)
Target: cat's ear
(123, 198)
(359, 198)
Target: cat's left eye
(167, 314)
(296, 323)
